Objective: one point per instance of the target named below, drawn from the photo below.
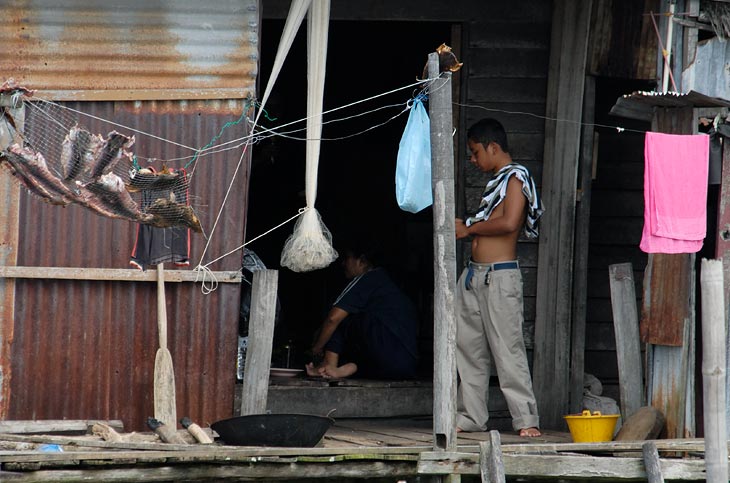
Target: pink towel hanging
(675, 192)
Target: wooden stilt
(713, 370)
(490, 459)
(651, 462)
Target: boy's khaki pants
(489, 319)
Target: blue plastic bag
(413, 167)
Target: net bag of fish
(50, 154)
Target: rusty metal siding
(173, 48)
(86, 349)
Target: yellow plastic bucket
(591, 428)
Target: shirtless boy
(489, 305)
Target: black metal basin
(287, 430)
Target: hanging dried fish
(148, 179)
(111, 195)
(167, 213)
(111, 151)
(16, 166)
(34, 170)
(79, 149)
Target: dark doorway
(356, 182)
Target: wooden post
(566, 76)
(713, 370)
(722, 250)
(260, 339)
(626, 327)
(668, 305)
(582, 232)
(491, 465)
(9, 221)
(652, 465)
(444, 270)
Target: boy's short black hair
(487, 131)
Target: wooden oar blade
(164, 395)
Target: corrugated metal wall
(86, 349)
(173, 48)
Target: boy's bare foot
(530, 432)
(345, 370)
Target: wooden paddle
(164, 375)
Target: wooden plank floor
(415, 432)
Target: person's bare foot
(459, 430)
(345, 370)
(312, 370)
(530, 432)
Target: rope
(206, 286)
(546, 118)
(220, 133)
(274, 130)
(223, 204)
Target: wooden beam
(582, 239)
(10, 223)
(114, 274)
(722, 246)
(141, 94)
(670, 370)
(626, 327)
(444, 245)
(260, 339)
(566, 77)
(55, 425)
(563, 467)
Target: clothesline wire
(431, 85)
(200, 263)
(547, 118)
(246, 139)
(354, 103)
(230, 186)
(257, 137)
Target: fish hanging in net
(62, 163)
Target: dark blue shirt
(384, 320)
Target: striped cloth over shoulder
(496, 190)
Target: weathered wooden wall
(617, 210)
(505, 52)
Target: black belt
(490, 268)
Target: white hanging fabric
(297, 11)
(310, 245)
